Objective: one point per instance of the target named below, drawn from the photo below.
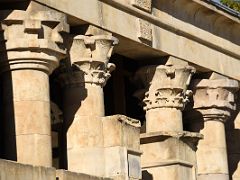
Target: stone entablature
(178, 29)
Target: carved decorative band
(167, 98)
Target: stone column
(84, 102)
(165, 143)
(32, 50)
(213, 102)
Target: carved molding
(165, 86)
(215, 99)
(32, 38)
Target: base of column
(169, 155)
(213, 177)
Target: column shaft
(26, 96)
(164, 119)
(212, 152)
(83, 109)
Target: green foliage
(233, 4)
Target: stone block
(88, 160)
(173, 172)
(214, 176)
(169, 155)
(15, 171)
(116, 163)
(172, 145)
(119, 130)
(34, 149)
(122, 163)
(134, 164)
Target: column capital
(165, 86)
(89, 56)
(32, 39)
(214, 98)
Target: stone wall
(15, 171)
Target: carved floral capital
(214, 99)
(165, 86)
(90, 56)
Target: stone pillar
(84, 102)
(213, 102)
(32, 50)
(165, 144)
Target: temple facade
(119, 90)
